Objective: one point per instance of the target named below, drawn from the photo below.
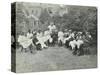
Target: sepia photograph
(52, 37)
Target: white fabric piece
(53, 27)
(60, 36)
(29, 35)
(24, 41)
(72, 44)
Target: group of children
(51, 36)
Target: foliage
(78, 18)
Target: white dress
(41, 39)
(60, 36)
(53, 27)
(24, 41)
(47, 36)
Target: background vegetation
(38, 16)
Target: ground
(52, 59)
